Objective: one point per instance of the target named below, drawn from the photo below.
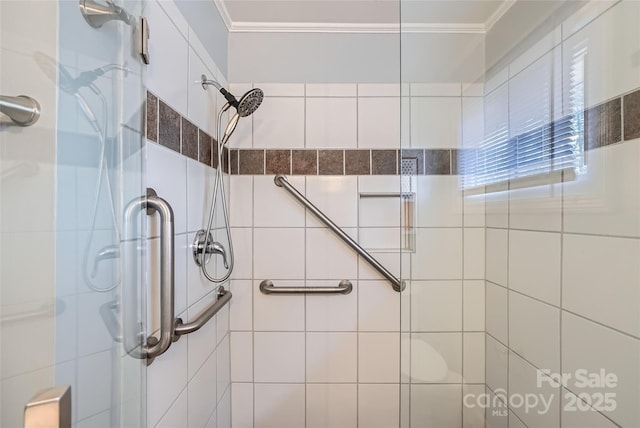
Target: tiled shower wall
(189, 385)
(335, 360)
(562, 259)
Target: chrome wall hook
(22, 110)
(97, 14)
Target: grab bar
(344, 287)
(153, 346)
(180, 328)
(22, 110)
(281, 181)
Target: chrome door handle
(22, 110)
(49, 408)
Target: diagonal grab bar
(281, 181)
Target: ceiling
(362, 15)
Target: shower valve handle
(201, 254)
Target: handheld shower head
(248, 103)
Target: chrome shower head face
(250, 102)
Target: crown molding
(499, 13)
(224, 13)
(303, 27)
(355, 28)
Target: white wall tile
(331, 122)
(331, 312)
(436, 122)
(605, 77)
(183, 256)
(497, 312)
(202, 393)
(534, 331)
(381, 89)
(378, 406)
(474, 253)
(241, 305)
(201, 107)
(474, 357)
(94, 384)
(332, 405)
(436, 306)
(279, 253)
(436, 405)
(242, 405)
(167, 76)
(337, 197)
(534, 264)
(436, 358)
(473, 304)
(223, 411)
(573, 416)
(170, 187)
(378, 357)
(378, 306)
(600, 280)
(166, 378)
(379, 123)
(242, 238)
(278, 405)
(274, 206)
(278, 312)
(439, 201)
(268, 129)
(472, 414)
(379, 184)
(328, 257)
(332, 357)
(436, 90)
(497, 360)
(241, 201)
(591, 347)
(474, 210)
(331, 90)
(377, 212)
(523, 379)
(472, 121)
(242, 352)
(438, 254)
(177, 413)
(281, 89)
(279, 357)
(223, 369)
(606, 199)
(203, 342)
(198, 285)
(497, 208)
(536, 208)
(497, 255)
(584, 16)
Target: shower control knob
(202, 254)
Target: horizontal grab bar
(180, 328)
(281, 181)
(344, 287)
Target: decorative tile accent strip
(152, 117)
(169, 127)
(189, 139)
(251, 162)
(331, 162)
(357, 162)
(304, 162)
(632, 116)
(603, 124)
(278, 162)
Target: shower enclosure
(484, 154)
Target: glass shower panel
(65, 182)
(525, 286)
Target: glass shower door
(65, 182)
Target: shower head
(248, 103)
